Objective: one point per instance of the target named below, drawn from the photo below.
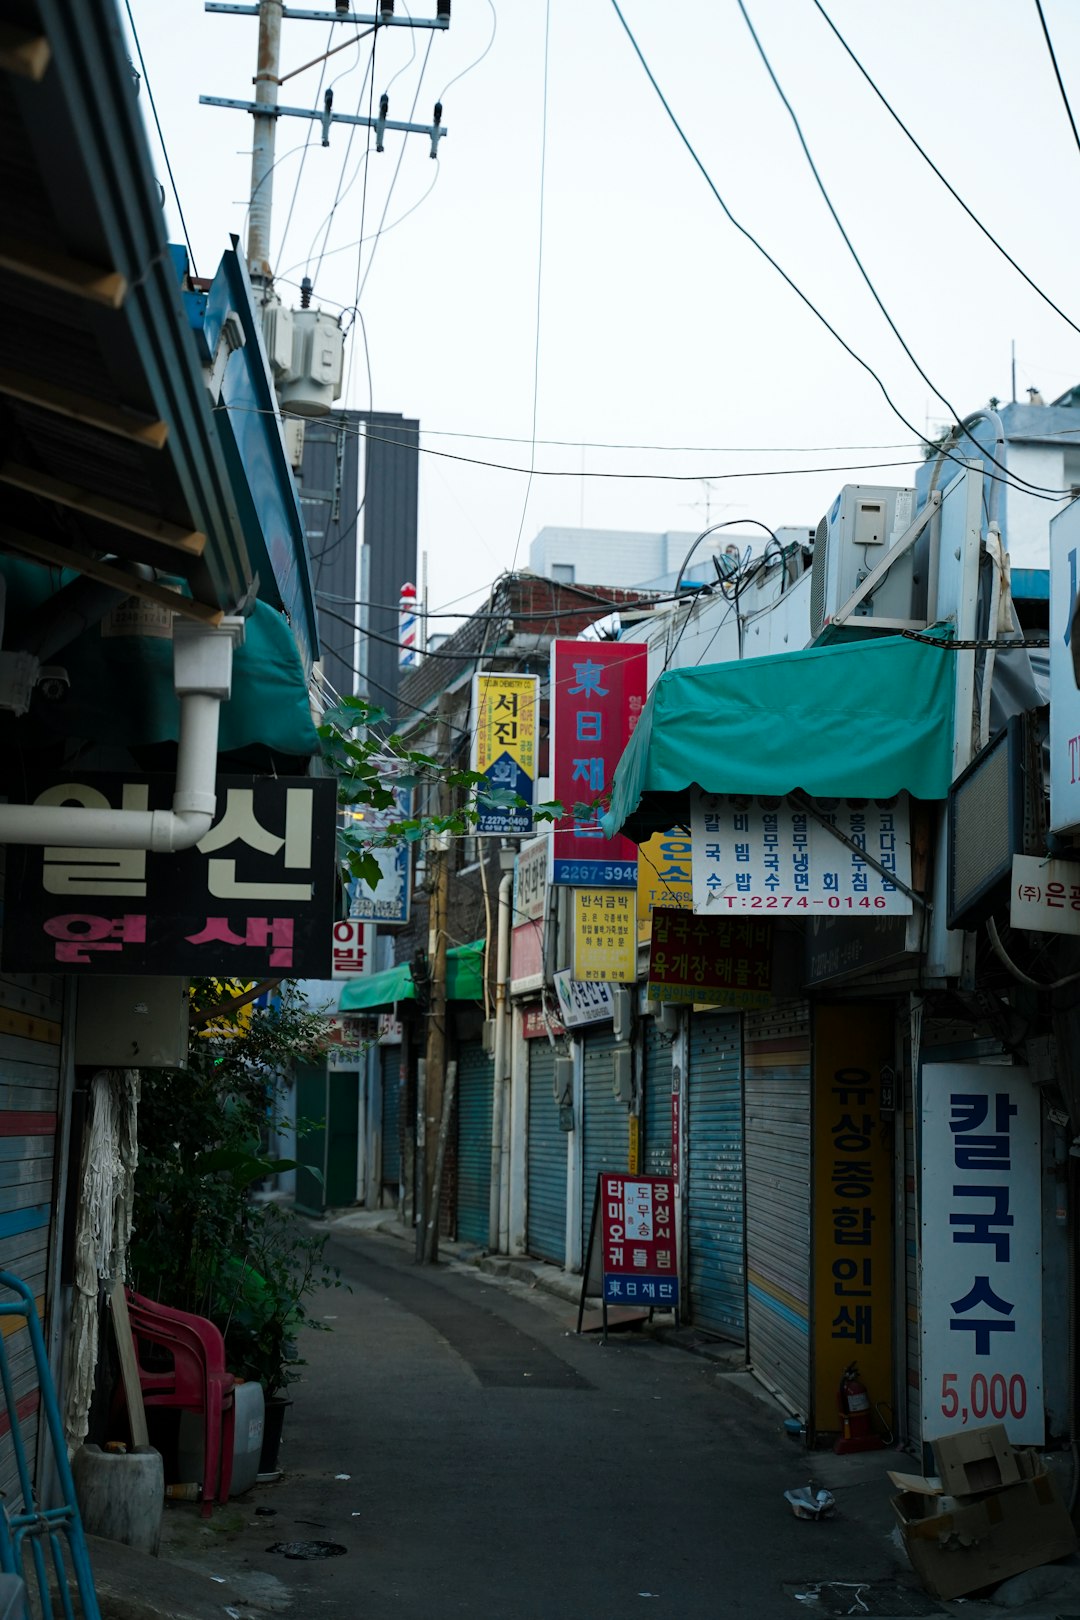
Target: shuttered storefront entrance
(390, 1076)
(546, 1169)
(656, 1114)
(913, 1369)
(777, 1147)
(475, 1097)
(30, 1087)
(606, 1123)
(714, 1176)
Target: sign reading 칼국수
(714, 961)
(505, 736)
(254, 899)
(982, 1328)
(773, 856)
(598, 692)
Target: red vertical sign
(598, 691)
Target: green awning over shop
(464, 982)
(860, 720)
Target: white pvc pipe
(502, 974)
(194, 798)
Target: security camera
(53, 682)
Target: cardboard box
(983, 1540)
(976, 1460)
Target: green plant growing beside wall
(201, 1243)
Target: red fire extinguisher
(856, 1423)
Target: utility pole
(267, 81)
(438, 907)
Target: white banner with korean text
(981, 1292)
(772, 855)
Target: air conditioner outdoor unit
(858, 531)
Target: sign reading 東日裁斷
(663, 876)
(598, 692)
(605, 936)
(254, 898)
(772, 856)
(715, 961)
(505, 716)
(980, 1204)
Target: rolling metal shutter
(777, 1149)
(714, 1176)
(475, 1100)
(606, 1128)
(913, 1371)
(390, 1075)
(545, 1221)
(656, 1118)
(30, 1077)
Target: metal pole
(502, 974)
(262, 152)
(437, 942)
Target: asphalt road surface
(499, 1466)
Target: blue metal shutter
(714, 1175)
(777, 1115)
(390, 1073)
(475, 1099)
(656, 1116)
(912, 1234)
(606, 1124)
(546, 1214)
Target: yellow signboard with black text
(505, 721)
(605, 936)
(663, 876)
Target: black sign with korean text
(255, 898)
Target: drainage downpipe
(502, 974)
(202, 676)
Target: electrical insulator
(442, 10)
(305, 293)
(386, 10)
(438, 112)
(384, 106)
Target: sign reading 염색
(663, 876)
(981, 1306)
(598, 692)
(388, 901)
(354, 949)
(750, 855)
(715, 961)
(853, 1151)
(505, 736)
(1045, 895)
(605, 936)
(254, 899)
(588, 1003)
(637, 1235)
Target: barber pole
(407, 644)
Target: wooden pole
(431, 1234)
(437, 943)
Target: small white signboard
(1045, 895)
(354, 949)
(982, 1317)
(582, 1003)
(774, 856)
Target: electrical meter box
(132, 1023)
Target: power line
(1057, 72)
(459, 76)
(796, 289)
(990, 237)
(849, 244)
(161, 135)
(539, 284)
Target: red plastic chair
(197, 1381)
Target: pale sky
(659, 325)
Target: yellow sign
(605, 936)
(663, 876)
(633, 1162)
(853, 1197)
(504, 748)
(229, 1026)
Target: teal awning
(861, 720)
(464, 982)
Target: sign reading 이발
(598, 693)
(637, 1232)
(772, 856)
(504, 748)
(981, 1220)
(253, 899)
